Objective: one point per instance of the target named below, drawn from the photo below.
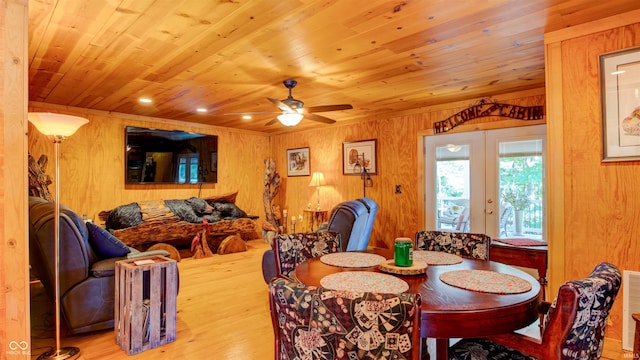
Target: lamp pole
(364, 175)
(59, 353)
(364, 181)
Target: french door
(490, 182)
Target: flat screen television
(156, 156)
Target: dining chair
(315, 322)
(573, 326)
(291, 249)
(469, 245)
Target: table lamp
(317, 180)
(59, 127)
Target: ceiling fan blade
(282, 106)
(319, 118)
(275, 120)
(323, 108)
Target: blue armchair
(87, 273)
(354, 220)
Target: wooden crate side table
(145, 303)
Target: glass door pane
(521, 188)
(454, 182)
(516, 182)
(452, 188)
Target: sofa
(87, 270)
(353, 220)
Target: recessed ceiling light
(246, 117)
(201, 110)
(145, 100)
(618, 72)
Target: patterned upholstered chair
(467, 245)
(573, 328)
(317, 323)
(292, 249)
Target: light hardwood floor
(223, 313)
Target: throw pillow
(104, 243)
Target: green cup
(403, 252)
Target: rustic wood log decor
(271, 226)
(199, 246)
(180, 233)
(160, 225)
(232, 244)
(173, 252)
(38, 179)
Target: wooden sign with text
(489, 108)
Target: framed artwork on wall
(359, 154)
(298, 162)
(620, 84)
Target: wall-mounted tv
(156, 156)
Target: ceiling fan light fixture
(290, 119)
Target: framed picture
(358, 155)
(620, 82)
(298, 162)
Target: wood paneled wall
(397, 148)
(92, 163)
(14, 261)
(596, 218)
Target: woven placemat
(436, 257)
(486, 281)
(352, 259)
(364, 281)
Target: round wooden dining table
(449, 311)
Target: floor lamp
(364, 175)
(59, 126)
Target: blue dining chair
(468, 245)
(573, 327)
(317, 323)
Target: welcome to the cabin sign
(489, 108)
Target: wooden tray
(418, 268)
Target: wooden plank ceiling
(383, 57)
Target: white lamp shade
(56, 124)
(290, 119)
(317, 179)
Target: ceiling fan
(293, 110)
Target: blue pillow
(105, 244)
